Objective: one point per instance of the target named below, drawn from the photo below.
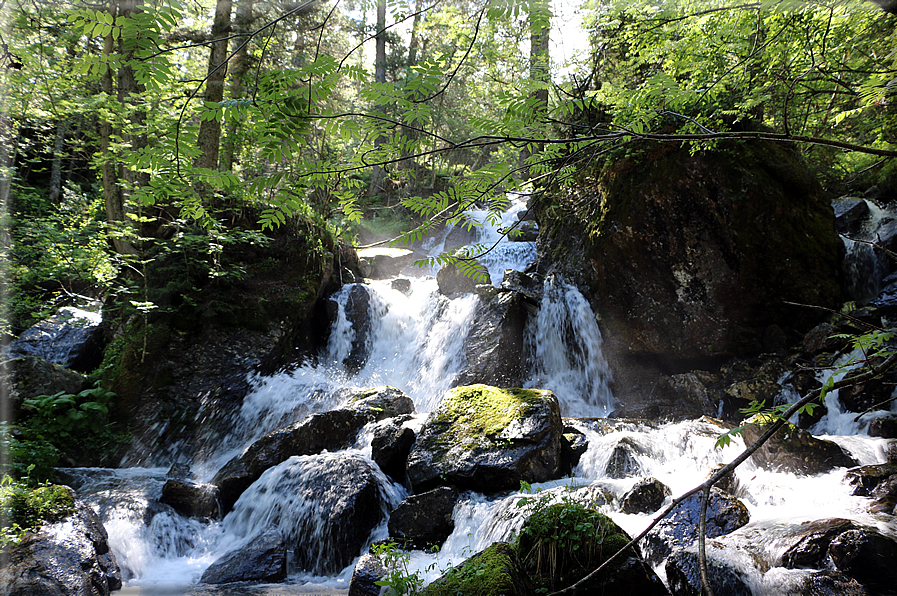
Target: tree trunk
(56, 164)
(209, 139)
(379, 77)
(539, 62)
(238, 68)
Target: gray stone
(72, 338)
(424, 520)
(263, 559)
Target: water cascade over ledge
(415, 341)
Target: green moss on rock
(493, 572)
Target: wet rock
(679, 529)
(859, 552)
(761, 385)
(886, 301)
(646, 496)
(368, 571)
(493, 350)
(488, 439)
(191, 499)
(795, 450)
(68, 558)
(819, 339)
(379, 403)
(624, 460)
(263, 559)
(684, 575)
(72, 338)
(401, 284)
(865, 395)
(831, 583)
(28, 377)
(330, 431)
(865, 479)
(494, 571)
(460, 235)
(424, 520)
(850, 213)
(326, 507)
(452, 280)
(529, 286)
(390, 447)
(573, 445)
(179, 472)
(728, 483)
(680, 397)
(883, 427)
(358, 312)
(383, 263)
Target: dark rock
(679, 529)
(461, 234)
(865, 479)
(684, 576)
(646, 496)
(379, 403)
(530, 286)
(368, 571)
(68, 558)
(859, 552)
(263, 559)
(329, 431)
(624, 460)
(674, 297)
(886, 301)
(327, 506)
(850, 213)
(526, 231)
(383, 263)
(795, 450)
(179, 472)
(819, 339)
(831, 583)
(390, 447)
(452, 280)
(424, 520)
(494, 571)
(191, 499)
(677, 397)
(72, 338)
(573, 445)
(488, 439)
(728, 483)
(401, 284)
(863, 396)
(883, 427)
(358, 312)
(28, 377)
(494, 347)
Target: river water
(416, 344)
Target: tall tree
(209, 139)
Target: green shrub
(24, 508)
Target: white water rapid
(415, 342)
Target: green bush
(24, 508)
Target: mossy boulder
(561, 543)
(488, 439)
(494, 571)
(690, 256)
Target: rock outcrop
(487, 439)
(262, 559)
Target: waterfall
(565, 344)
(865, 266)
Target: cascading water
(865, 266)
(414, 341)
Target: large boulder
(452, 279)
(684, 575)
(646, 496)
(561, 543)
(494, 349)
(679, 530)
(693, 253)
(857, 551)
(328, 431)
(262, 559)
(425, 520)
(191, 499)
(488, 439)
(72, 338)
(390, 448)
(358, 312)
(70, 557)
(28, 377)
(494, 571)
(325, 507)
(794, 450)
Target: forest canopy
(131, 123)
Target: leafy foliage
(24, 508)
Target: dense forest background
(134, 132)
